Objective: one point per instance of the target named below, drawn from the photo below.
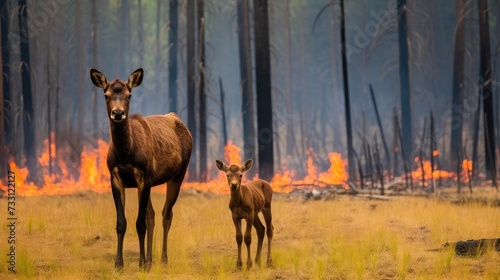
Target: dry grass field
(73, 237)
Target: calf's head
(233, 172)
(117, 92)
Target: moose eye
(227, 175)
(128, 97)
(241, 175)
(106, 97)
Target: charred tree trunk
(191, 83)
(140, 33)
(290, 135)
(172, 55)
(382, 134)
(247, 106)
(202, 94)
(350, 157)
(4, 16)
(80, 81)
(487, 94)
(158, 57)
(404, 76)
(3, 148)
(458, 79)
(475, 139)
(28, 110)
(223, 115)
(93, 38)
(263, 88)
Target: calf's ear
(220, 165)
(246, 166)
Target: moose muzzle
(118, 115)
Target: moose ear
(98, 79)
(246, 166)
(135, 78)
(220, 165)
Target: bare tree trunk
(5, 15)
(347, 103)
(172, 55)
(247, 105)
(158, 57)
(80, 86)
(290, 135)
(28, 109)
(223, 114)
(458, 79)
(140, 33)
(124, 40)
(3, 148)
(191, 83)
(93, 37)
(263, 88)
(202, 94)
(487, 94)
(404, 75)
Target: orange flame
(466, 169)
(93, 173)
(336, 175)
(429, 174)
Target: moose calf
(246, 202)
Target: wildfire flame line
(93, 173)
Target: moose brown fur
(143, 152)
(246, 202)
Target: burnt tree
(3, 148)
(201, 93)
(172, 55)
(347, 103)
(263, 89)
(404, 76)
(487, 93)
(28, 110)
(290, 135)
(458, 80)
(4, 18)
(191, 82)
(245, 58)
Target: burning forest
(56, 178)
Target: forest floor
(73, 237)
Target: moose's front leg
(121, 222)
(144, 195)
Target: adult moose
(247, 200)
(143, 152)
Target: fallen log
(471, 248)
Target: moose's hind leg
(150, 225)
(173, 188)
(141, 224)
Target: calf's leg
(239, 240)
(259, 227)
(268, 217)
